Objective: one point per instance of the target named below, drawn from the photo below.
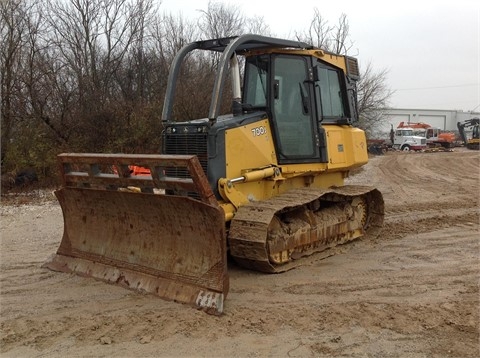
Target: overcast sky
(430, 48)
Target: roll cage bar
(228, 46)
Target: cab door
(296, 132)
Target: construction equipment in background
(377, 146)
(263, 185)
(435, 137)
(472, 142)
(404, 138)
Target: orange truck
(434, 136)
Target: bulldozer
(262, 186)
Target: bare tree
(23, 89)
(76, 38)
(90, 75)
(133, 71)
(341, 43)
(124, 28)
(12, 39)
(221, 20)
(93, 37)
(373, 92)
(373, 97)
(257, 25)
(319, 32)
(168, 34)
(92, 40)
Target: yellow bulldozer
(263, 185)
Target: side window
(291, 108)
(256, 72)
(332, 104)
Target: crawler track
(273, 235)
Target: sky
(430, 49)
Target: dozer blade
(171, 245)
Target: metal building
(443, 119)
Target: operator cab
(300, 93)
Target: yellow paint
(249, 149)
(335, 60)
(347, 147)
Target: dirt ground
(413, 292)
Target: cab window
(292, 109)
(332, 103)
(256, 80)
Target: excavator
(474, 141)
(262, 186)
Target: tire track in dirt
(413, 291)
(423, 191)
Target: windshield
(404, 132)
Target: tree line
(90, 75)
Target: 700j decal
(258, 131)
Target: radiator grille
(186, 139)
(352, 68)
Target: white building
(444, 119)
